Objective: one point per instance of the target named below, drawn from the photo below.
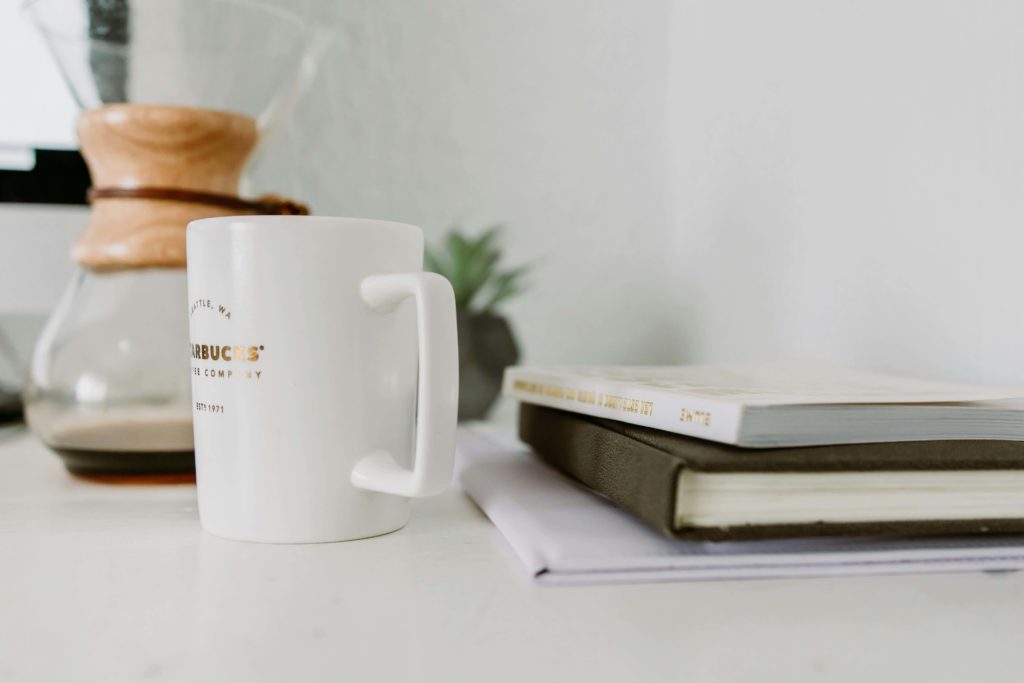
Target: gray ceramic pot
(486, 347)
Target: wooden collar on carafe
(144, 227)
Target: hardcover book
(776, 405)
(697, 489)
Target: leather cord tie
(266, 205)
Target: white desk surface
(111, 583)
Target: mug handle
(437, 399)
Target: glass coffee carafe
(177, 97)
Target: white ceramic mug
(324, 376)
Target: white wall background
(549, 117)
(697, 180)
(847, 183)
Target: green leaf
(478, 273)
(432, 262)
(459, 254)
(505, 286)
(470, 265)
(477, 259)
(484, 243)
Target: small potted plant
(486, 342)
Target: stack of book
(783, 450)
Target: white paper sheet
(565, 534)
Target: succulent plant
(471, 265)
(487, 344)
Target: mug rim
(293, 222)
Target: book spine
(634, 476)
(665, 410)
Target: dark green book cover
(638, 469)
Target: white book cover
(713, 401)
